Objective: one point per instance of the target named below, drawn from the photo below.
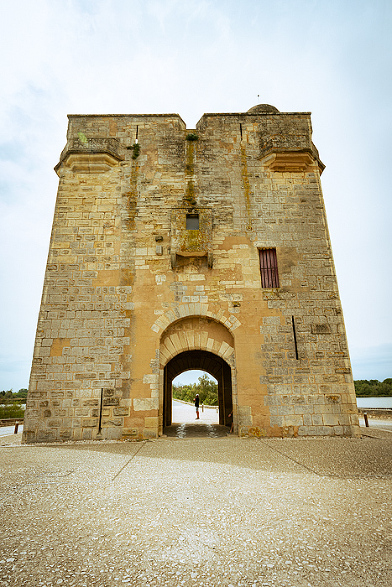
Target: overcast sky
(332, 58)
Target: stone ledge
(94, 155)
(291, 162)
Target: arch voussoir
(190, 310)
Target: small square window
(192, 222)
(269, 268)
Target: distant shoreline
(379, 413)
(372, 396)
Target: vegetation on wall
(135, 148)
(373, 388)
(207, 390)
(82, 138)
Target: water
(374, 402)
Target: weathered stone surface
(154, 267)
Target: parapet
(285, 138)
(96, 142)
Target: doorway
(203, 361)
(185, 387)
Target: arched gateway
(173, 249)
(204, 361)
(198, 342)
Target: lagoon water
(374, 402)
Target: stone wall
(126, 279)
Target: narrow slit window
(192, 222)
(269, 268)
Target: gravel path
(199, 511)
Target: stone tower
(176, 249)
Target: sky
(332, 58)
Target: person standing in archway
(197, 402)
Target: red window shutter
(269, 268)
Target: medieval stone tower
(174, 249)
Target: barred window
(269, 268)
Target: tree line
(205, 387)
(8, 396)
(10, 404)
(373, 387)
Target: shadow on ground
(196, 430)
(344, 458)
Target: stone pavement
(198, 511)
(7, 430)
(185, 424)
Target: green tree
(205, 387)
(21, 393)
(373, 388)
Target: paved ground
(183, 412)
(197, 511)
(384, 423)
(7, 430)
(185, 424)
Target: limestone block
(317, 419)
(151, 423)
(150, 433)
(293, 420)
(150, 378)
(121, 411)
(89, 422)
(307, 431)
(54, 423)
(354, 419)
(276, 421)
(109, 422)
(143, 404)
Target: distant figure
(196, 400)
(230, 417)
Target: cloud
(191, 57)
(374, 362)
(189, 377)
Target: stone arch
(182, 311)
(198, 342)
(196, 333)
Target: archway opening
(184, 389)
(203, 361)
